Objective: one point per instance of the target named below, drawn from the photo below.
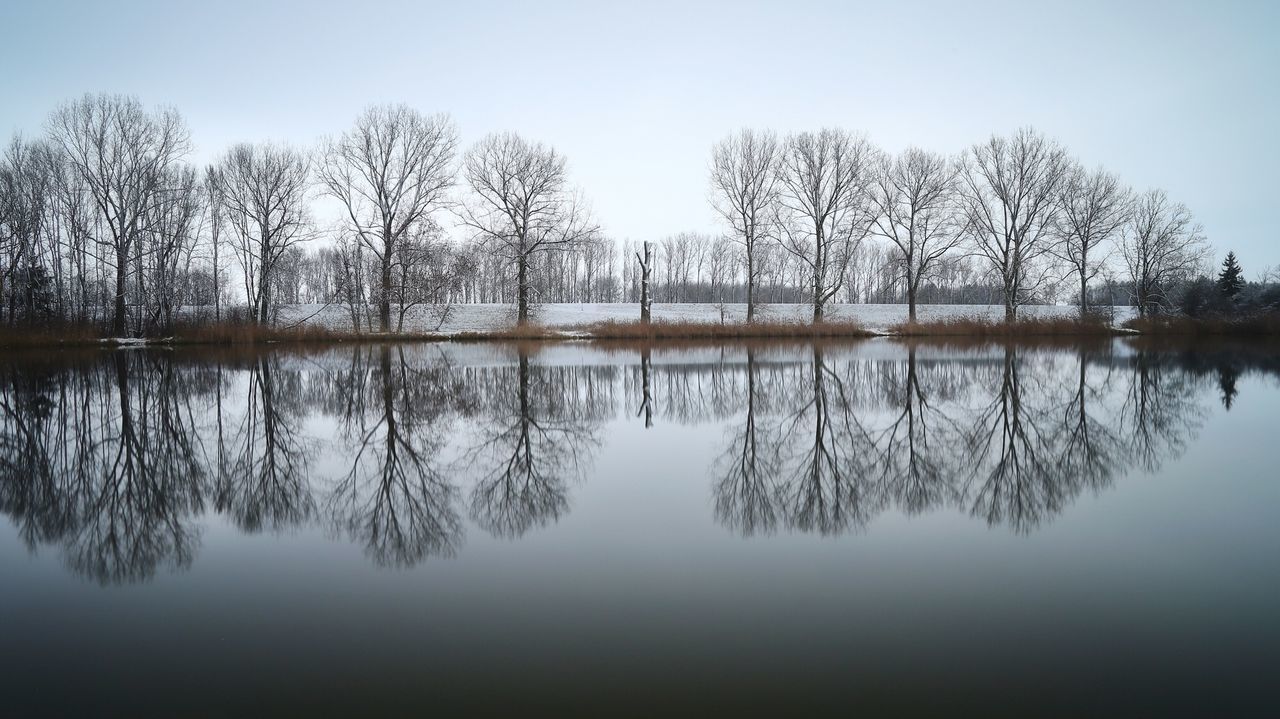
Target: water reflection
(262, 477)
(396, 498)
(533, 436)
(116, 458)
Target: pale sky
(1180, 95)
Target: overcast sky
(1181, 95)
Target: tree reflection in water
(746, 498)
(104, 461)
(536, 429)
(396, 497)
(1012, 437)
(115, 457)
(262, 482)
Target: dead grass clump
(984, 328)
(1252, 325)
(665, 330)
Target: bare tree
(914, 199)
(166, 249)
(263, 191)
(1162, 244)
(1007, 191)
(646, 272)
(744, 185)
(390, 172)
(521, 205)
(28, 180)
(213, 210)
(824, 209)
(122, 153)
(1093, 207)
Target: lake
(872, 527)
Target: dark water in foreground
(862, 528)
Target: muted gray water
(854, 527)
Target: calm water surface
(874, 528)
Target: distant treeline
(104, 221)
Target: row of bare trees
(104, 220)
(1019, 205)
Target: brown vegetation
(981, 328)
(249, 333)
(707, 330)
(1258, 324)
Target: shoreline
(1267, 326)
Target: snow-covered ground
(488, 317)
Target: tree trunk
(751, 289)
(264, 293)
(911, 303)
(1084, 295)
(384, 301)
(522, 291)
(118, 315)
(646, 267)
(819, 268)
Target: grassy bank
(1031, 327)
(227, 334)
(708, 330)
(1251, 326)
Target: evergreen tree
(1231, 278)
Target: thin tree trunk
(522, 289)
(384, 302)
(118, 316)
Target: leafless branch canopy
(521, 205)
(390, 172)
(824, 205)
(1162, 243)
(1008, 187)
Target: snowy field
(479, 318)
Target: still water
(872, 527)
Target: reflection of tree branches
(1022, 485)
(538, 438)
(1160, 412)
(33, 475)
(827, 487)
(912, 450)
(149, 480)
(746, 495)
(264, 483)
(396, 498)
(1091, 451)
